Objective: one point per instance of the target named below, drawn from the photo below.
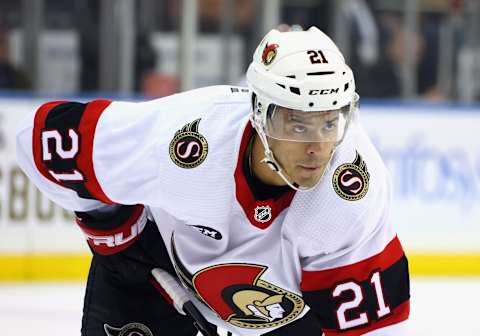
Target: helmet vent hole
(310, 104)
(320, 73)
(295, 90)
(334, 102)
(281, 85)
(345, 88)
(291, 76)
(344, 73)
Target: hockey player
(270, 204)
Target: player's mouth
(310, 168)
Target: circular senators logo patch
(350, 180)
(189, 148)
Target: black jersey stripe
(38, 129)
(57, 126)
(62, 118)
(396, 291)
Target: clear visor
(294, 125)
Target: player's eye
(330, 125)
(299, 128)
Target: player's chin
(308, 184)
(308, 181)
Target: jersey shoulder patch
(350, 180)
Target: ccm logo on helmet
(323, 92)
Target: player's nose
(314, 148)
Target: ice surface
(440, 307)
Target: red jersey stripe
(87, 127)
(316, 280)
(400, 313)
(38, 126)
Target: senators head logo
(189, 148)
(269, 53)
(238, 295)
(350, 180)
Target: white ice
(439, 307)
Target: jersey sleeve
(80, 154)
(54, 148)
(363, 291)
(74, 151)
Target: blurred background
(417, 69)
(415, 49)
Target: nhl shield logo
(263, 214)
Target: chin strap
(270, 161)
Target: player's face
(304, 162)
(315, 126)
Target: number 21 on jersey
(361, 318)
(54, 136)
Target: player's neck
(260, 169)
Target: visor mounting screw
(310, 104)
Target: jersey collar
(260, 213)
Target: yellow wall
(67, 267)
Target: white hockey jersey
(253, 265)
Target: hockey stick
(181, 298)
